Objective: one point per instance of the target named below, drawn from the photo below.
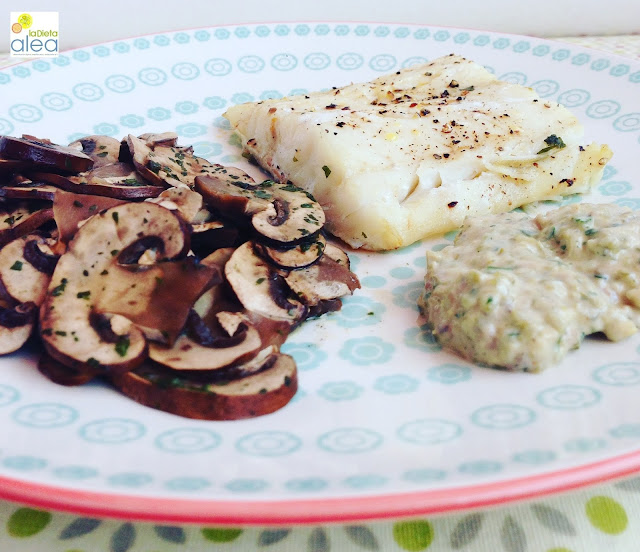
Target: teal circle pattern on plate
(185, 70)
(269, 443)
(56, 101)
(214, 102)
(187, 440)
(406, 296)
(603, 109)
(585, 444)
(159, 113)
(129, 479)
(349, 61)
(88, 92)
(246, 485)
(480, 467)
(503, 416)
(545, 88)
(310, 484)
(615, 188)
(515, 77)
(424, 475)
(187, 107)
(8, 395)
(121, 84)
(307, 355)
(629, 122)
(449, 373)
(251, 64)
(574, 97)
(351, 440)
(24, 463)
(626, 431)
(364, 351)
(317, 61)
(383, 63)
(365, 481)
(534, 456)
(429, 431)
(112, 431)
(569, 397)
(74, 473)
(619, 374)
(336, 391)
(25, 113)
(45, 415)
(284, 62)
(396, 384)
(132, 121)
(187, 484)
(218, 67)
(359, 311)
(152, 76)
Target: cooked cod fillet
(412, 154)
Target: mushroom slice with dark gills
(16, 325)
(21, 218)
(230, 339)
(26, 266)
(281, 214)
(64, 375)
(45, 154)
(104, 150)
(76, 327)
(260, 288)
(298, 256)
(166, 165)
(269, 381)
(118, 180)
(325, 281)
(29, 190)
(187, 202)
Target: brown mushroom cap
(16, 325)
(45, 154)
(272, 385)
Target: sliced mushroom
(73, 329)
(22, 218)
(187, 202)
(324, 281)
(152, 139)
(64, 375)
(16, 325)
(25, 270)
(118, 181)
(209, 236)
(45, 154)
(104, 150)
(8, 166)
(166, 165)
(260, 288)
(70, 210)
(299, 256)
(340, 256)
(29, 190)
(280, 213)
(206, 347)
(158, 297)
(271, 386)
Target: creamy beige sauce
(519, 293)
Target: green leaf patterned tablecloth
(603, 517)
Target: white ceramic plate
(385, 424)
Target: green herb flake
(590, 232)
(261, 194)
(260, 280)
(154, 166)
(114, 215)
(93, 363)
(130, 182)
(287, 381)
(83, 294)
(16, 266)
(10, 220)
(553, 142)
(77, 203)
(103, 154)
(122, 345)
(61, 333)
(327, 171)
(114, 252)
(59, 289)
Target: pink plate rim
(315, 511)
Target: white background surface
(83, 23)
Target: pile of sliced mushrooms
(174, 278)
